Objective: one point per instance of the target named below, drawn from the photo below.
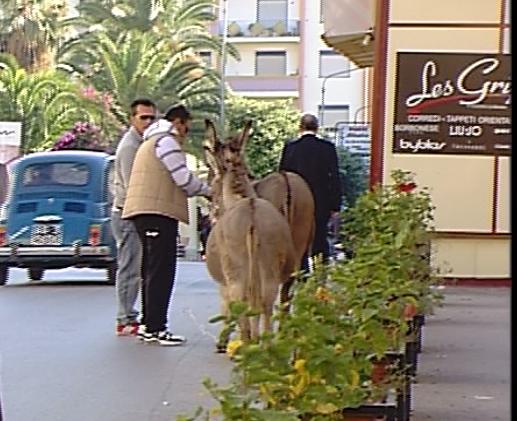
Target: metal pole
(345, 71)
(223, 65)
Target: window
(64, 173)
(330, 115)
(206, 57)
(271, 11)
(270, 63)
(332, 62)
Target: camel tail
(288, 208)
(252, 286)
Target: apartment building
(282, 55)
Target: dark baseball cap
(177, 111)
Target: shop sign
(453, 103)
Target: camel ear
(210, 136)
(243, 138)
(210, 146)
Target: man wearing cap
(156, 201)
(315, 159)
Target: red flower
(406, 187)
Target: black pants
(158, 235)
(320, 244)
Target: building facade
(282, 55)
(441, 99)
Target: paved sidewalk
(464, 368)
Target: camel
(250, 251)
(291, 195)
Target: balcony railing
(263, 83)
(266, 28)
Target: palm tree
(133, 48)
(31, 31)
(46, 103)
(135, 65)
(184, 24)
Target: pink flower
(107, 100)
(89, 92)
(82, 136)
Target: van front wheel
(4, 274)
(36, 274)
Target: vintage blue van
(57, 214)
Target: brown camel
(249, 250)
(291, 195)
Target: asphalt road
(60, 359)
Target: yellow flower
(299, 365)
(338, 348)
(322, 294)
(299, 387)
(233, 346)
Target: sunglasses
(146, 117)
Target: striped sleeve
(172, 156)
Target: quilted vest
(151, 188)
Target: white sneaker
(164, 338)
(141, 332)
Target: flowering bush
(391, 226)
(84, 136)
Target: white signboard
(10, 133)
(355, 137)
(10, 140)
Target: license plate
(46, 235)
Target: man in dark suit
(315, 159)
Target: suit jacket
(315, 159)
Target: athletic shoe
(141, 332)
(121, 330)
(134, 327)
(164, 338)
(130, 329)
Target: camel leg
(254, 327)
(236, 293)
(269, 294)
(285, 298)
(224, 335)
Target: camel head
(226, 162)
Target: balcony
(270, 86)
(263, 29)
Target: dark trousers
(320, 244)
(158, 235)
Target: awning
(357, 47)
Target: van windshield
(52, 173)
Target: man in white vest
(156, 200)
